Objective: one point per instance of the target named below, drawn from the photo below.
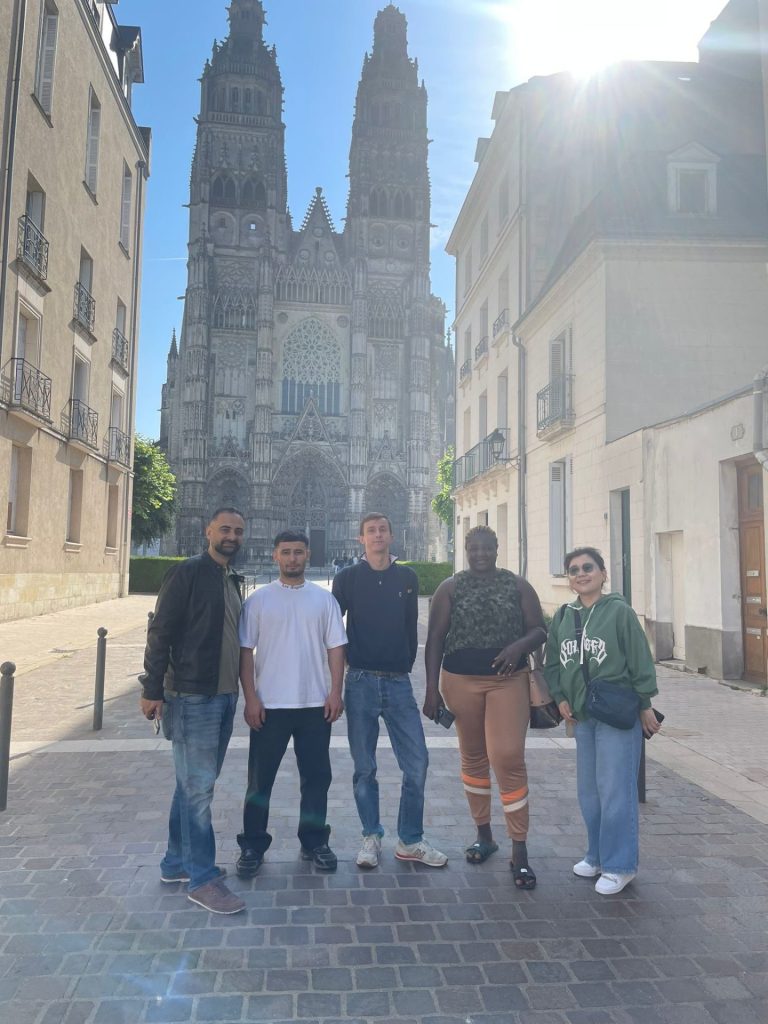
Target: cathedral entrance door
(317, 547)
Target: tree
(154, 492)
(442, 503)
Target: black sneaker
(248, 863)
(322, 857)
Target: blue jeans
(367, 697)
(199, 728)
(607, 762)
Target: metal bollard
(98, 692)
(7, 670)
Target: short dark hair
(291, 537)
(593, 554)
(229, 509)
(481, 531)
(369, 518)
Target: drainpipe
(522, 497)
(759, 392)
(9, 150)
(141, 169)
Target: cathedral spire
(246, 19)
(390, 35)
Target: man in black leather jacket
(190, 681)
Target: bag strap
(579, 635)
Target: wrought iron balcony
(501, 323)
(30, 389)
(119, 446)
(120, 349)
(482, 458)
(32, 247)
(83, 423)
(465, 371)
(554, 405)
(85, 308)
(481, 348)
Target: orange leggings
(491, 722)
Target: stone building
(71, 206)
(611, 319)
(311, 375)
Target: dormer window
(692, 181)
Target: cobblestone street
(89, 935)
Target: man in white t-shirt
(289, 631)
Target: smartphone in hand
(445, 717)
(659, 718)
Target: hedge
(147, 573)
(430, 574)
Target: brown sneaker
(217, 898)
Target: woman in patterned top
(483, 624)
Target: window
(468, 343)
(35, 205)
(80, 380)
(467, 271)
(74, 506)
(559, 514)
(116, 410)
(502, 401)
(28, 336)
(92, 144)
(482, 416)
(125, 207)
(484, 238)
(503, 202)
(46, 56)
(692, 181)
(503, 292)
(467, 429)
(692, 191)
(17, 521)
(484, 320)
(85, 275)
(112, 507)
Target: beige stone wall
(50, 156)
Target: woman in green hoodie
(612, 644)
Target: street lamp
(497, 442)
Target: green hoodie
(614, 643)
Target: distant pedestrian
(597, 637)
(190, 682)
(291, 636)
(381, 601)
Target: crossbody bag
(607, 700)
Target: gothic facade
(311, 379)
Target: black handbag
(608, 700)
(544, 712)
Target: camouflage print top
(486, 617)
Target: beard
(227, 548)
(293, 573)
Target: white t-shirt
(291, 628)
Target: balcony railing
(83, 423)
(480, 459)
(501, 323)
(465, 371)
(119, 446)
(85, 307)
(481, 348)
(120, 349)
(32, 247)
(554, 404)
(30, 389)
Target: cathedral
(312, 382)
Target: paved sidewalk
(88, 935)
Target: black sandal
(524, 877)
(479, 852)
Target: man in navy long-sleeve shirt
(380, 600)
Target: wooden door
(754, 607)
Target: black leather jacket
(184, 640)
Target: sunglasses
(577, 570)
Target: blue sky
(467, 50)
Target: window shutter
(125, 208)
(556, 518)
(94, 128)
(44, 88)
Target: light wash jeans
(367, 697)
(199, 728)
(607, 762)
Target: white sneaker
(609, 884)
(586, 870)
(368, 857)
(423, 852)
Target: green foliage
(442, 503)
(431, 575)
(154, 492)
(146, 574)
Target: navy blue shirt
(382, 609)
